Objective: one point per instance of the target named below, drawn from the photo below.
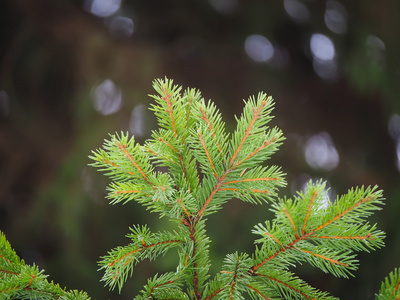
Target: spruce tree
(187, 171)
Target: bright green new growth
(187, 171)
(190, 168)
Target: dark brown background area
(53, 55)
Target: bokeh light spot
(107, 98)
(323, 52)
(137, 120)
(394, 126)
(336, 17)
(320, 152)
(225, 6)
(121, 26)
(376, 49)
(297, 10)
(322, 47)
(102, 8)
(259, 48)
(326, 69)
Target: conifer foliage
(188, 169)
(21, 281)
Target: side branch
(233, 283)
(208, 155)
(266, 143)
(251, 179)
(315, 194)
(207, 120)
(247, 132)
(144, 247)
(258, 292)
(195, 272)
(288, 286)
(128, 192)
(291, 221)
(114, 164)
(333, 261)
(168, 144)
(210, 197)
(283, 249)
(167, 99)
(161, 284)
(214, 294)
(273, 237)
(358, 237)
(364, 200)
(128, 155)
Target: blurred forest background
(72, 71)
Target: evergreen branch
(113, 170)
(119, 262)
(258, 110)
(167, 99)
(207, 153)
(257, 113)
(129, 156)
(251, 179)
(191, 96)
(213, 288)
(332, 261)
(257, 292)
(270, 144)
(209, 138)
(330, 252)
(210, 124)
(198, 260)
(121, 191)
(208, 180)
(235, 276)
(168, 104)
(165, 286)
(287, 286)
(192, 139)
(117, 157)
(344, 212)
(390, 287)
(169, 152)
(21, 281)
(250, 132)
(264, 183)
(157, 195)
(314, 195)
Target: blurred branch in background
(71, 71)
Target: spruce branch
(119, 262)
(206, 167)
(390, 287)
(21, 281)
(327, 238)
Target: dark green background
(54, 52)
